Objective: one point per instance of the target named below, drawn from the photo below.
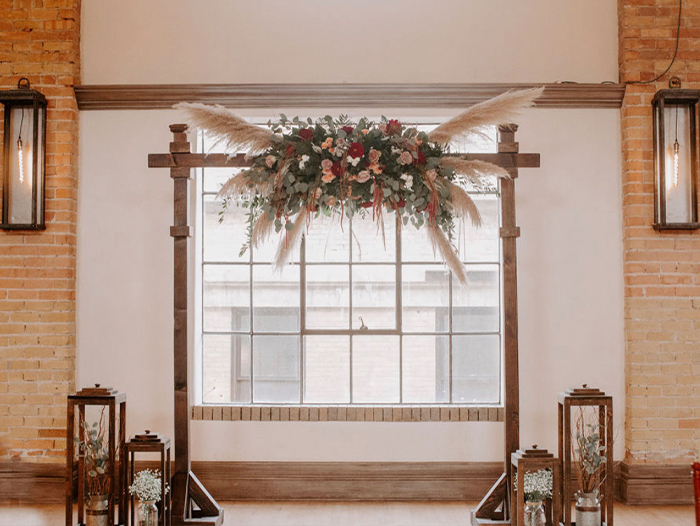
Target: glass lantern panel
(21, 165)
(678, 163)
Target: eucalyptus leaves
(95, 449)
(588, 460)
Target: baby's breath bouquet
(537, 485)
(147, 485)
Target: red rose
(421, 158)
(393, 127)
(356, 150)
(306, 134)
(348, 129)
(290, 150)
(367, 204)
(336, 168)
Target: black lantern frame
(676, 158)
(24, 155)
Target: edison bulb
(20, 160)
(676, 149)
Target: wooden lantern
(601, 408)
(78, 454)
(151, 443)
(530, 461)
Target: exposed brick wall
(40, 39)
(662, 270)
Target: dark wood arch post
(191, 502)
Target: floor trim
(658, 484)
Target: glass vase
(534, 513)
(147, 513)
(587, 509)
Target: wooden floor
(355, 514)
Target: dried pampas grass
(290, 240)
(227, 127)
(261, 230)
(499, 110)
(238, 185)
(464, 205)
(474, 170)
(443, 246)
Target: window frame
(482, 411)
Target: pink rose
(374, 155)
(363, 176)
(326, 165)
(270, 161)
(406, 158)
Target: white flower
(304, 160)
(316, 148)
(409, 181)
(147, 485)
(354, 160)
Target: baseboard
(32, 483)
(445, 481)
(638, 484)
(656, 484)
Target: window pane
(266, 251)
(416, 245)
(226, 368)
(214, 178)
(275, 299)
(223, 241)
(374, 296)
(226, 297)
(475, 368)
(276, 369)
(327, 369)
(476, 305)
(371, 243)
(426, 298)
(482, 243)
(375, 369)
(426, 369)
(325, 240)
(328, 297)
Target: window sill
(345, 413)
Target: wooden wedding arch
(191, 503)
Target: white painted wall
(406, 41)
(570, 292)
(570, 252)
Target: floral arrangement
(303, 168)
(95, 450)
(147, 485)
(587, 458)
(537, 486)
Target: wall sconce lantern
(676, 158)
(24, 140)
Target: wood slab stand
(192, 504)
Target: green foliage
(341, 166)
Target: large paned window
(365, 313)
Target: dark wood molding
(32, 483)
(638, 484)
(164, 96)
(440, 481)
(658, 484)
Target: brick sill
(347, 413)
